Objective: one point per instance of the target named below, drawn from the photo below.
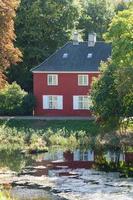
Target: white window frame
(54, 79)
(56, 102)
(83, 80)
(82, 102)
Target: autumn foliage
(9, 54)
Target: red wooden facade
(67, 87)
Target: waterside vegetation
(20, 137)
(41, 134)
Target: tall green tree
(120, 34)
(113, 100)
(106, 102)
(41, 28)
(9, 54)
(96, 16)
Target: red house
(63, 81)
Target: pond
(62, 175)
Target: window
(83, 80)
(53, 102)
(84, 156)
(65, 55)
(52, 79)
(81, 102)
(89, 55)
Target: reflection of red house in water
(63, 161)
(129, 158)
(78, 159)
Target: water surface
(65, 174)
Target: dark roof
(77, 58)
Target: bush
(15, 101)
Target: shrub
(15, 101)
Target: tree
(112, 93)
(41, 27)
(120, 33)
(105, 99)
(8, 53)
(96, 16)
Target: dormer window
(52, 79)
(89, 55)
(65, 55)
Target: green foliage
(120, 34)
(15, 101)
(41, 28)
(112, 92)
(36, 143)
(11, 99)
(106, 102)
(24, 134)
(96, 16)
(40, 134)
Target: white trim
(75, 103)
(45, 102)
(66, 72)
(60, 102)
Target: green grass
(38, 125)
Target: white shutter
(75, 102)
(60, 102)
(45, 102)
(90, 155)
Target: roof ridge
(96, 41)
(50, 56)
